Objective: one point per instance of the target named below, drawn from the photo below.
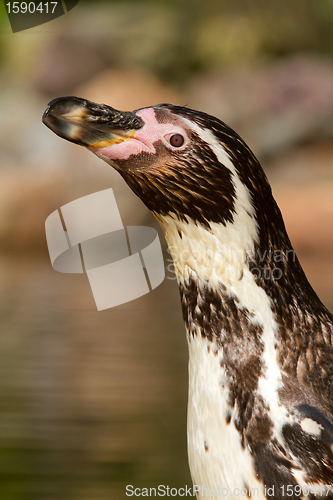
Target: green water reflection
(90, 402)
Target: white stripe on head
(218, 254)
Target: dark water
(90, 401)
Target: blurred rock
(128, 33)
(67, 62)
(26, 199)
(128, 89)
(272, 106)
(308, 215)
(302, 183)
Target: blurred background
(92, 401)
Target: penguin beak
(89, 124)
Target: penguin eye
(176, 140)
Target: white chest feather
(217, 460)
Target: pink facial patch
(143, 139)
(122, 150)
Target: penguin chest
(219, 464)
